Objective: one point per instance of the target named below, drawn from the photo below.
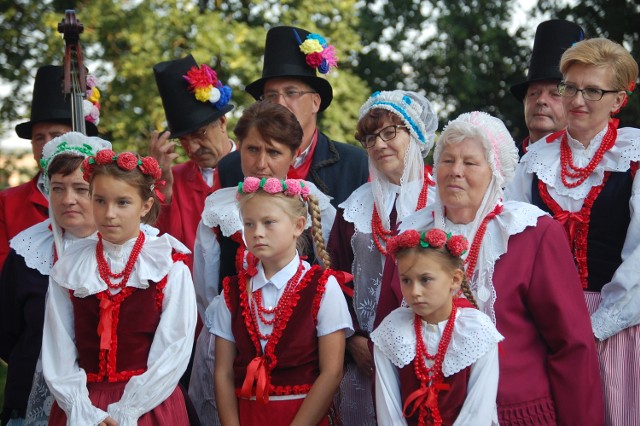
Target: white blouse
(474, 343)
(77, 270)
(333, 314)
(619, 308)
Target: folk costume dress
(354, 246)
(220, 252)
(601, 218)
(469, 383)
(310, 304)
(23, 287)
(524, 280)
(119, 352)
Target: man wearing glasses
(195, 103)
(292, 60)
(543, 110)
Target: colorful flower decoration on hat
(206, 87)
(457, 245)
(288, 187)
(319, 54)
(126, 161)
(91, 105)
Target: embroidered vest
(608, 225)
(297, 350)
(449, 401)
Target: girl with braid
(421, 376)
(281, 324)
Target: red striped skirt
(172, 411)
(619, 358)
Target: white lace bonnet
(415, 111)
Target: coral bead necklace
(472, 257)
(570, 170)
(105, 271)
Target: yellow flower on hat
(311, 46)
(203, 93)
(94, 96)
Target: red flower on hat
(127, 161)
(407, 239)
(151, 167)
(314, 60)
(458, 245)
(87, 168)
(105, 156)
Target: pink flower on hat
(250, 184)
(272, 186)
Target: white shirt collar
(279, 279)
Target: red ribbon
(106, 322)
(555, 136)
(256, 373)
(343, 278)
(157, 188)
(426, 395)
(570, 221)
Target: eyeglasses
(288, 95)
(386, 134)
(589, 93)
(198, 136)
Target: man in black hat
(543, 110)
(195, 103)
(25, 205)
(292, 59)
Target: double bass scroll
(75, 76)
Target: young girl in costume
(280, 325)
(437, 359)
(120, 314)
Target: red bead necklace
(258, 311)
(426, 398)
(377, 229)
(570, 170)
(105, 271)
(472, 257)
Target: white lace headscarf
(72, 143)
(500, 152)
(417, 113)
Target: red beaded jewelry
(426, 398)
(105, 271)
(570, 170)
(472, 257)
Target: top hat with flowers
(192, 96)
(291, 52)
(552, 38)
(49, 104)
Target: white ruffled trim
(543, 159)
(35, 245)
(77, 270)
(358, 208)
(473, 336)
(221, 209)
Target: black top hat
(552, 39)
(185, 114)
(49, 104)
(283, 58)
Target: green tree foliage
(617, 20)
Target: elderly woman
(522, 275)
(268, 136)
(397, 129)
(25, 274)
(587, 181)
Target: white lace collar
(221, 209)
(543, 159)
(473, 336)
(77, 269)
(515, 218)
(35, 245)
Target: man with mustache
(195, 103)
(543, 110)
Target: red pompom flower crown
(125, 161)
(435, 238)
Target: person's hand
(358, 347)
(163, 150)
(109, 421)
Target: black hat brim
(25, 130)
(320, 85)
(203, 120)
(519, 90)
